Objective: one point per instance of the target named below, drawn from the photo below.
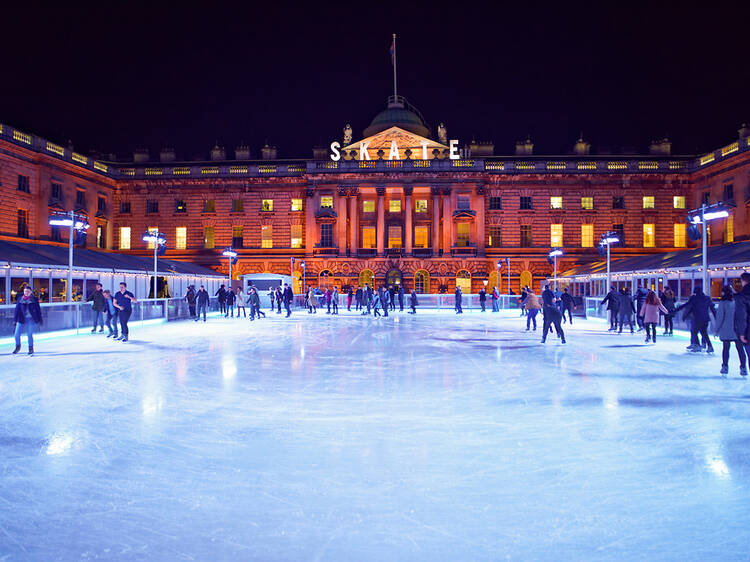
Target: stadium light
(159, 241)
(554, 253)
(607, 239)
(701, 216)
(77, 223)
(232, 255)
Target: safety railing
(469, 302)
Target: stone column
(353, 221)
(310, 237)
(447, 220)
(479, 203)
(409, 234)
(341, 221)
(435, 192)
(381, 220)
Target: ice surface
(433, 437)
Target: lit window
(326, 235)
(208, 237)
(180, 206)
(101, 236)
(209, 206)
(368, 237)
(394, 236)
(422, 281)
(462, 234)
(296, 205)
(649, 237)
(297, 235)
(493, 236)
(368, 206)
(555, 203)
(238, 205)
(420, 206)
(152, 230)
(648, 202)
(587, 203)
(394, 206)
(679, 235)
(421, 236)
(326, 202)
(678, 201)
(238, 237)
(124, 237)
(556, 235)
(267, 205)
(266, 236)
(587, 236)
(729, 233)
(463, 280)
(366, 277)
(180, 238)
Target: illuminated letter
(393, 154)
(363, 154)
(335, 149)
(424, 150)
(454, 149)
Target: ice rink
(433, 437)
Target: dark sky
(119, 77)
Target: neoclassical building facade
(397, 206)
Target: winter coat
(724, 325)
(98, 300)
(401, 295)
(222, 294)
(668, 303)
(698, 306)
(288, 295)
(253, 299)
(201, 297)
(241, 299)
(376, 301)
(459, 296)
(532, 302)
(640, 297)
(190, 297)
(358, 295)
(626, 308)
(495, 296)
(335, 296)
(230, 296)
(109, 306)
(548, 298)
(482, 295)
(567, 300)
(742, 312)
(30, 305)
(650, 312)
(613, 301)
(413, 298)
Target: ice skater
(652, 305)
(482, 298)
(376, 303)
(221, 292)
(668, 300)
(613, 306)
(124, 300)
(400, 298)
(311, 306)
(358, 299)
(551, 315)
(190, 299)
(201, 300)
(335, 300)
(27, 316)
(566, 305)
(725, 330)
(413, 301)
(458, 300)
(532, 309)
(742, 314)
(495, 300)
(230, 297)
(96, 298)
(112, 314)
(699, 307)
(272, 296)
(279, 298)
(625, 310)
(288, 299)
(241, 300)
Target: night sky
(117, 77)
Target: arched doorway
(422, 281)
(326, 280)
(495, 282)
(366, 276)
(393, 278)
(526, 279)
(463, 280)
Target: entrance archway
(394, 278)
(422, 281)
(366, 276)
(526, 279)
(326, 279)
(463, 280)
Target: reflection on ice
(59, 443)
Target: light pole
(302, 265)
(291, 269)
(497, 275)
(232, 255)
(159, 240)
(553, 255)
(701, 216)
(607, 239)
(77, 223)
(507, 262)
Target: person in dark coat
(401, 298)
(190, 298)
(625, 310)
(327, 299)
(279, 298)
(335, 300)
(112, 314)
(349, 297)
(640, 298)
(27, 316)
(272, 296)
(524, 294)
(96, 297)
(222, 294)
(724, 330)
(566, 304)
(256, 303)
(482, 298)
(385, 296)
(459, 299)
(124, 300)
(201, 300)
(668, 300)
(699, 307)
(288, 299)
(413, 301)
(613, 306)
(392, 298)
(358, 299)
(551, 315)
(742, 315)
(230, 298)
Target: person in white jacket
(241, 301)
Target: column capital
(435, 190)
(342, 190)
(380, 190)
(446, 190)
(310, 191)
(481, 188)
(354, 191)
(408, 190)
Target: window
(296, 236)
(326, 202)
(526, 203)
(556, 235)
(152, 206)
(555, 202)
(462, 234)
(587, 236)
(587, 203)
(678, 202)
(101, 204)
(80, 198)
(296, 205)
(152, 230)
(180, 206)
(394, 206)
(267, 205)
(420, 206)
(366, 277)
(648, 202)
(620, 230)
(124, 207)
(368, 206)
(618, 202)
(101, 236)
(496, 203)
(729, 192)
(23, 223)
(493, 237)
(421, 236)
(705, 198)
(421, 281)
(208, 237)
(368, 237)
(394, 236)
(326, 236)
(23, 184)
(729, 232)
(55, 234)
(679, 235)
(463, 203)
(180, 238)
(209, 206)
(648, 236)
(124, 237)
(526, 236)
(463, 280)
(56, 192)
(238, 237)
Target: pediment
(385, 140)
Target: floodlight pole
(507, 263)
(555, 276)
(497, 279)
(156, 249)
(706, 288)
(609, 282)
(69, 290)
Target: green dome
(399, 113)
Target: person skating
(625, 310)
(201, 301)
(495, 300)
(366, 299)
(640, 298)
(482, 298)
(123, 302)
(230, 297)
(27, 316)
(327, 299)
(288, 299)
(668, 300)
(112, 314)
(652, 305)
(358, 298)
(221, 292)
(524, 294)
(699, 307)
(551, 315)
(241, 300)
(256, 303)
(96, 297)
(742, 315)
(400, 298)
(190, 299)
(279, 298)
(566, 305)
(312, 306)
(349, 297)
(376, 304)
(613, 307)
(413, 302)
(459, 301)
(335, 300)
(724, 329)
(532, 306)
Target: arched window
(526, 279)
(393, 278)
(326, 279)
(422, 281)
(366, 276)
(494, 282)
(463, 280)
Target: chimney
(743, 131)
(167, 155)
(218, 153)
(481, 149)
(661, 147)
(320, 153)
(242, 153)
(140, 155)
(581, 147)
(269, 152)
(525, 148)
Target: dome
(399, 113)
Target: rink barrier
(594, 309)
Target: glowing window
(124, 237)
(394, 236)
(326, 202)
(266, 236)
(679, 235)
(238, 236)
(648, 202)
(209, 206)
(587, 236)
(649, 236)
(368, 237)
(555, 203)
(296, 236)
(368, 206)
(296, 205)
(493, 236)
(556, 235)
(729, 233)
(422, 281)
(208, 237)
(394, 206)
(678, 201)
(420, 206)
(421, 236)
(180, 238)
(587, 203)
(267, 205)
(463, 280)
(462, 234)
(152, 230)
(366, 276)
